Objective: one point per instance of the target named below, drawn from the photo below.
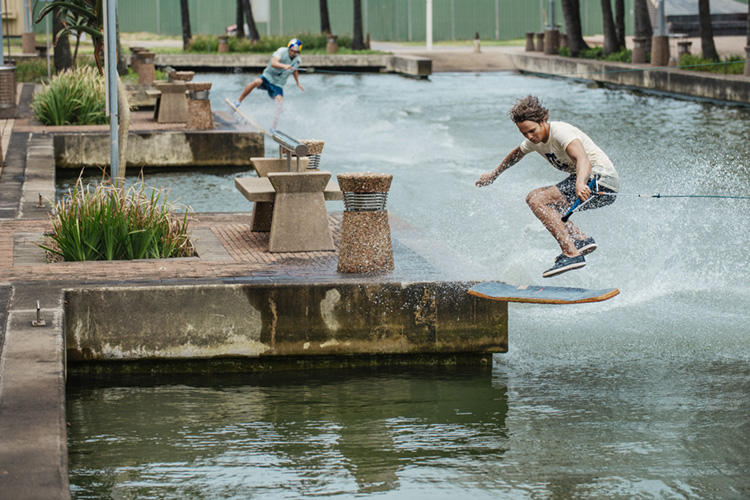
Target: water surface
(646, 395)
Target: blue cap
(295, 44)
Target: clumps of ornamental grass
(104, 222)
(74, 97)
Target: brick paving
(249, 252)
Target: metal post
(453, 20)
(551, 14)
(408, 16)
(2, 57)
(429, 25)
(497, 19)
(49, 62)
(662, 30)
(110, 61)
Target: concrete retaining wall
(161, 149)
(260, 321)
(373, 62)
(690, 83)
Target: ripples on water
(646, 395)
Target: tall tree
(252, 30)
(358, 41)
(707, 31)
(325, 21)
(186, 32)
(643, 28)
(86, 16)
(240, 32)
(572, 14)
(63, 57)
(620, 22)
(610, 32)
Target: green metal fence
(385, 20)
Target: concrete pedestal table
(300, 218)
(171, 106)
(263, 210)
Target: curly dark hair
(529, 108)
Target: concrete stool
(300, 218)
(639, 50)
(529, 41)
(366, 245)
(659, 50)
(263, 210)
(171, 106)
(135, 59)
(182, 76)
(683, 48)
(223, 43)
(314, 150)
(199, 116)
(146, 70)
(551, 42)
(540, 42)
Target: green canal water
(646, 395)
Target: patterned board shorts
(568, 189)
(273, 90)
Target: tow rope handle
(578, 202)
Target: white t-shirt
(561, 134)
(279, 76)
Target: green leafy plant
(597, 53)
(74, 97)
(732, 65)
(103, 222)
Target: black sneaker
(563, 263)
(585, 246)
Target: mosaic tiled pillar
(365, 245)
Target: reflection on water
(646, 395)
(287, 436)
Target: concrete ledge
(267, 321)
(408, 65)
(161, 149)
(691, 83)
(33, 435)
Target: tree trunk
(63, 58)
(186, 33)
(707, 31)
(643, 28)
(240, 33)
(748, 25)
(610, 32)
(358, 42)
(572, 14)
(251, 28)
(325, 21)
(620, 23)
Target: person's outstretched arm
(510, 160)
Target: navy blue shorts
(568, 189)
(273, 90)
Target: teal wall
(395, 20)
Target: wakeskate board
(244, 118)
(504, 292)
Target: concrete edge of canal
(210, 328)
